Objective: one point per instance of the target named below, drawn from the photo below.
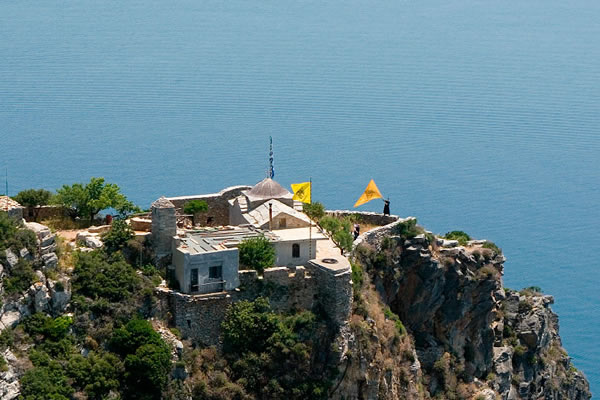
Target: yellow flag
(371, 193)
(301, 191)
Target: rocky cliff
(467, 336)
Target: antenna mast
(271, 173)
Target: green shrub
(117, 237)
(408, 229)
(389, 314)
(20, 278)
(461, 236)
(492, 246)
(97, 374)
(3, 364)
(97, 275)
(194, 207)
(147, 358)
(487, 272)
(357, 276)
(46, 382)
(257, 253)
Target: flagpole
(310, 223)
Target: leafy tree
(147, 358)
(117, 237)
(195, 207)
(339, 231)
(147, 371)
(34, 198)
(98, 275)
(87, 200)
(314, 210)
(257, 253)
(248, 325)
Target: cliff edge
(466, 336)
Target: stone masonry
(164, 227)
(218, 206)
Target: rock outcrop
(472, 338)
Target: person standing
(386, 207)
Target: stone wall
(218, 205)
(333, 292)
(365, 217)
(44, 212)
(374, 236)
(199, 317)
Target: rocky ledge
(472, 338)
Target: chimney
(270, 216)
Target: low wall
(44, 212)
(218, 205)
(366, 217)
(376, 235)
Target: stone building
(11, 207)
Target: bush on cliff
(117, 236)
(98, 275)
(14, 236)
(257, 253)
(461, 236)
(271, 354)
(408, 229)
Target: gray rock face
(59, 299)
(446, 305)
(11, 258)
(452, 302)
(39, 293)
(9, 380)
(50, 260)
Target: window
(282, 223)
(215, 272)
(194, 280)
(296, 250)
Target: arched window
(296, 250)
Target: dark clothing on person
(386, 207)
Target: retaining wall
(218, 204)
(366, 217)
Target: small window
(296, 250)
(282, 223)
(215, 272)
(194, 280)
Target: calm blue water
(474, 115)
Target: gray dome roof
(268, 189)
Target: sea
(473, 115)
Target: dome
(268, 189)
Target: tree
(257, 253)
(314, 210)
(117, 237)
(87, 200)
(97, 275)
(33, 198)
(194, 207)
